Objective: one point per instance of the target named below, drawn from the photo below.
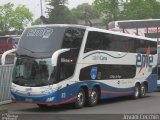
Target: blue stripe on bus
(71, 92)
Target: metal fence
(5, 83)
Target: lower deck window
(106, 72)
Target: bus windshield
(44, 41)
(33, 72)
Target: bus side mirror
(3, 59)
(56, 54)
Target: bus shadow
(58, 108)
(119, 100)
(67, 107)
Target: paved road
(125, 105)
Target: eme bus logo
(144, 61)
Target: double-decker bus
(58, 64)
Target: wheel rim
(136, 92)
(94, 96)
(80, 98)
(143, 91)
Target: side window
(106, 41)
(119, 43)
(112, 42)
(67, 63)
(153, 47)
(131, 45)
(107, 72)
(142, 46)
(94, 41)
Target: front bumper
(43, 99)
(50, 99)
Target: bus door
(66, 68)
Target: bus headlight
(13, 89)
(49, 99)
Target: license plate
(28, 100)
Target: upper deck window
(119, 43)
(73, 38)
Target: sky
(34, 5)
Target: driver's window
(73, 38)
(67, 63)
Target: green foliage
(37, 22)
(155, 4)
(59, 13)
(22, 17)
(6, 17)
(108, 8)
(137, 9)
(85, 10)
(113, 10)
(14, 19)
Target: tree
(155, 7)
(85, 12)
(37, 22)
(137, 9)
(108, 8)
(22, 17)
(14, 19)
(6, 17)
(59, 13)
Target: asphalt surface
(118, 106)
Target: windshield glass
(44, 41)
(40, 41)
(33, 72)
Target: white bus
(58, 64)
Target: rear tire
(93, 97)
(143, 91)
(136, 93)
(80, 101)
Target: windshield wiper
(27, 49)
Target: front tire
(93, 97)
(80, 101)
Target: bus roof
(137, 23)
(91, 29)
(60, 25)
(119, 33)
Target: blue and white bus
(58, 64)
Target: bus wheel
(143, 91)
(80, 101)
(136, 93)
(93, 98)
